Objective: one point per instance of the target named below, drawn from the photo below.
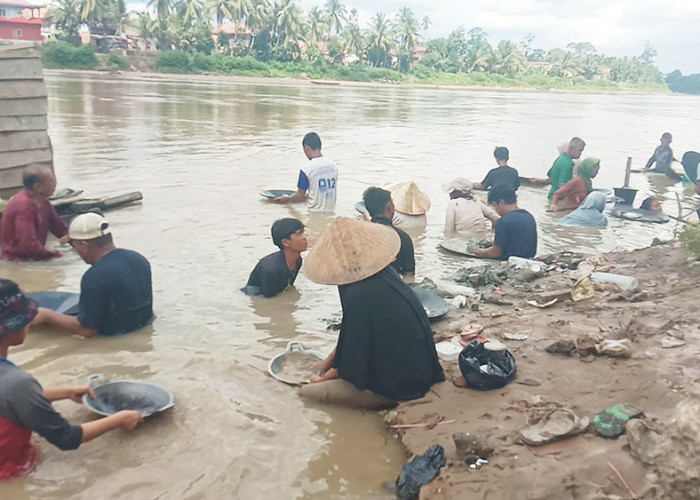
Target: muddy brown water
(201, 152)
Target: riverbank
(662, 381)
(305, 81)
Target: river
(201, 152)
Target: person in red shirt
(29, 217)
(25, 406)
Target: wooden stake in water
(627, 172)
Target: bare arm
(329, 375)
(126, 419)
(297, 197)
(450, 220)
(62, 321)
(491, 252)
(326, 364)
(478, 185)
(74, 393)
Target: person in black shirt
(381, 209)
(275, 272)
(503, 174)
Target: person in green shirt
(562, 169)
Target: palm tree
(509, 58)
(288, 21)
(336, 14)
(380, 39)
(425, 23)
(258, 17)
(65, 15)
(316, 23)
(222, 9)
(354, 39)
(408, 30)
(162, 8)
(189, 10)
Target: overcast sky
(614, 27)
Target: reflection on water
(200, 152)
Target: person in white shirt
(318, 179)
(466, 216)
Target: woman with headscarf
(589, 213)
(385, 350)
(25, 406)
(571, 194)
(466, 216)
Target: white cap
(88, 227)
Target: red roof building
(20, 20)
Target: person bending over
(385, 350)
(116, 293)
(275, 272)
(381, 209)
(466, 216)
(29, 217)
(25, 407)
(516, 231)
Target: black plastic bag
(500, 367)
(419, 471)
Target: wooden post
(627, 172)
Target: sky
(614, 27)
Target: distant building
(20, 20)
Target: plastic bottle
(624, 282)
(521, 263)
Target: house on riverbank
(24, 137)
(20, 20)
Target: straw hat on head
(458, 184)
(407, 198)
(350, 250)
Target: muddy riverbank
(661, 381)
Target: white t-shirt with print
(319, 178)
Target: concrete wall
(24, 138)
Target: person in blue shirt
(516, 230)
(116, 293)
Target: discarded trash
(615, 348)
(624, 282)
(563, 346)
(534, 303)
(671, 342)
(644, 441)
(557, 424)
(586, 343)
(610, 423)
(475, 463)
(419, 471)
(500, 366)
(582, 290)
(459, 301)
(533, 265)
(515, 336)
(447, 351)
(472, 445)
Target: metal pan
(460, 245)
(276, 193)
(295, 365)
(637, 214)
(435, 306)
(111, 397)
(61, 302)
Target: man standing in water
(116, 294)
(29, 217)
(516, 230)
(317, 179)
(562, 169)
(275, 272)
(381, 208)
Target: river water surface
(200, 152)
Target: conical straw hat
(351, 250)
(408, 199)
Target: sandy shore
(256, 80)
(661, 381)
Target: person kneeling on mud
(385, 351)
(26, 407)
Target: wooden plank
(21, 69)
(22, 89)
(23, 107)
(20, 123)
(20, 141)
(11, 159)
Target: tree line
(279, 30)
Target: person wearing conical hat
(116, 295)
(410, 204)
(385, 350)
(25, 406)
(466, 216)
(381, 210)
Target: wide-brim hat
(88, 226)
(407, 198)
(351, 250)
(16, 309)
(458, 184)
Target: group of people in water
(385, 351)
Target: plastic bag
(421, 470)
(485, 370)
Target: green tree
(258, 19)
(336, 15)
(354, 38)
(478, 51)
(508, 58)
(65, 15)
(647, 57)
(316, 24)
(380, 41)
(407, 29)
(222, 9)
